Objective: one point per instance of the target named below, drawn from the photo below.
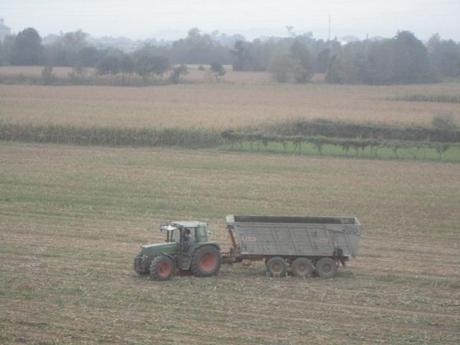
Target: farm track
(65, 259)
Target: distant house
(4, 30)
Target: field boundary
(109, 136)
(194, 138)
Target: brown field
(72, 218)
(241, 99)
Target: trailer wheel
(162, 268)
(276, 266)
(326, 267)
(206, 261)
(302, 267)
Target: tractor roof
(187, 224)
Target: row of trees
(146, 63)
(401, 59)
(72, 49)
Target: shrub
(443, 122)
(218, 70)
(177, 73)
(281, 68)
(48, 76)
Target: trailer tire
(162, 268)
(206, 261)
(302, 267)
(326, 267)
(276, 266)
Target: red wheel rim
(208, 262)
(164, 269)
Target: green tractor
(186, 249)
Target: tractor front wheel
(206, 261)
(162, 268)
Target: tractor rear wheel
(276, 266)
(302, 267)
(162, 268)
(206, 261)
(326, 267)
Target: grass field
(241, 100)
(72, 218)
(452, 154)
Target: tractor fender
(172, 257)
(207, 244)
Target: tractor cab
(177, 231)
(186, 248)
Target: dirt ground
(72, 219)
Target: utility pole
(329, 29)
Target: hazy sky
(172, 18)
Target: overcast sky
(172, 18)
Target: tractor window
(201, 235)
(175, 236)
(192, 233)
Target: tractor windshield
(173, 236)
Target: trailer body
(290, 237)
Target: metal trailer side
(260, 236)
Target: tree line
(400, 59)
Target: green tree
(302, 62)
(411, 62)
(111, 63)
(6, 48)
(323, 59)
(445, 56)
(218, 70)
(3, 59)
(147, 64)
(88, 56)
(126, 64)
(402, 59)
(199, 48)
(177, 73)
(27, 48)
(72, 49)
(282, 67)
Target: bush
(281, 68)
(177, 73)
(443, 122)
(48, 76)
(218, 70)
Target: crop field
(240, 100)
(73, 217)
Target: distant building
(4, 30)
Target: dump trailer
(303, 246)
